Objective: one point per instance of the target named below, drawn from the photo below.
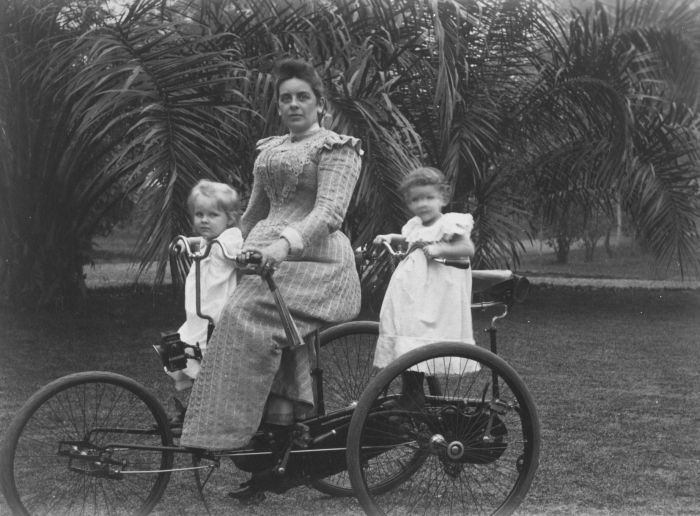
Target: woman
(302, 184)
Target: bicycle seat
(499, 285)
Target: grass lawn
(614, 374)
(626, 262)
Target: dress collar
(309, 132)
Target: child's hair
(226, 198)
(424, 176)
(298, 69)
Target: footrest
(172, 352)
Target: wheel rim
(68, 456)
(478, 451)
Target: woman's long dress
(301, 190)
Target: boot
(412, 396)
(177, 418)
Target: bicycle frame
(244, 260)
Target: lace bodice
(301, 187)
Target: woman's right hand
(274, 253)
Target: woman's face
(298, 106)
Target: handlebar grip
(183, 244)
(249, 258)
(459, 264)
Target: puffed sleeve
(409, 229)
(339, 165)
(452, 224)
(232, 241)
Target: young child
(214, 208)
(426, 301)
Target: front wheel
(466, 413)
(87, 443)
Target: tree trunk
(608, 247)
(589, 249)
(562, 249)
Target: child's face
(425, 202)
(209, 220)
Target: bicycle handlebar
(192, 247)
(503, 286)
(182, 244)
(460, 263)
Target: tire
(479, 437)
(346, 356)
(57, 456)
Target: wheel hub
(455, 450)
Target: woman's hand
(274, 253)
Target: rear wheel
(73, 448)
(346, 356)
(469, 418)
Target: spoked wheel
(346, 356)
(73, 448)
(466, 413)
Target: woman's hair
(298, 69)
(424, 176)
(226, 198)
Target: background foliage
(531, 110)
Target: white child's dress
(218, 280)
(427, 301)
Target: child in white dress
(214, 208)
(427, 301)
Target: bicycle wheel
(73, 448)
(346, 355)
(479, 436)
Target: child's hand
(380, 239)
(431, 251)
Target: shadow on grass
(614, 374)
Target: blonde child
(214, 209)
(426, 301)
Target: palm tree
(613, 119)
(387, 64)
(92, 115)
(514, 102)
